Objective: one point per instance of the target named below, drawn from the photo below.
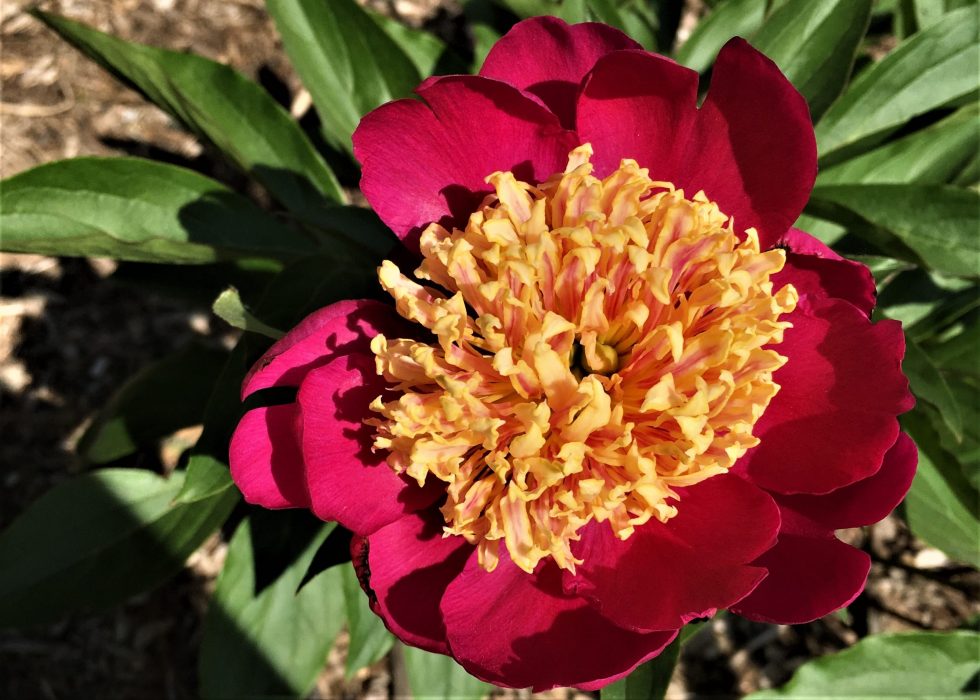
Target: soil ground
(69, 337)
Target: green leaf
(369, 638)
(959, 353)
(424, 49)
(931, 69)
(230, 308)
(349, 64)
(649, 680)
(205, 477)
(907, 665)
(933, 225)
(159, 400)
(814, 44)
(530, 8)
(134, 209)
(273, 642)
(930, 156)
(437, 677)
(928, 384)
(942, 505)
(728, 19)
(928, 12)
(97, 539)
(220, 105)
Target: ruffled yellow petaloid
(596, 343)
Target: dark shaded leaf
(159, 400)
(97, 539)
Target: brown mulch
(69, 337)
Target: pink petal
(818, 272)
(428, 160)
(548, 58)
(348, 481)
(840, 392)
(809, 577)
(750, 147)
(409, 566)
(666, 574)
(866, 501)
(334, 330)
(639, 105)
(266, 463)
(518, 630)
(811, 573)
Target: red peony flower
(624, 392)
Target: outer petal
(808, 578)
(521, 630)
(426, 161)
(840, 392)
(409, 564)
(866, 501)
(818, 272)
(549, 58)
(347, 481)
(639, 105)
(811, 573)
(750, 147)
(334, 330)
(266, 463)
(666, 574)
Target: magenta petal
(809, 577)
(428, 160)
(549, 58)
(754, 152)
(265, 459)
(409, 566)
(818, 272)
(841, 389)
(334, 330)
(866, 501)
(347, 480)
(639, 105)
(666, 574)
(521, 630)
(750, 147)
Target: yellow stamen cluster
(597, 343)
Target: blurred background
(73, 330)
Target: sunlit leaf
(931, 224)
(727, 19)
(349, 64)
(273, 641)
(931, 69)
(135, 209)
(814, 44)
(220, 105)
(908, 665)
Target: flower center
(597, 344)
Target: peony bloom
(618, 393)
